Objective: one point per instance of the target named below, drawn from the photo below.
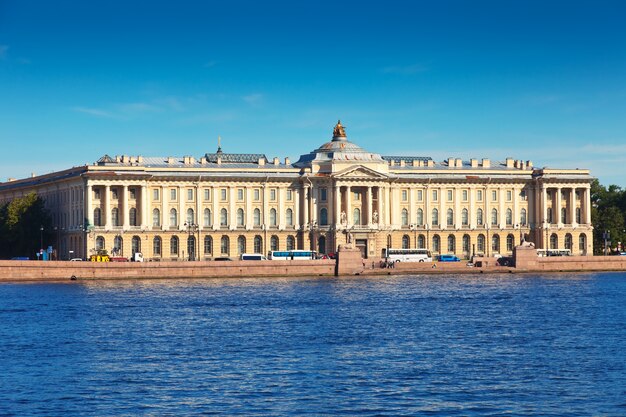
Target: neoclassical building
(224, 204)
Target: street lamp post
(40, 237)
(191, 231)
(607, 237)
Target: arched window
(174, 246)
(479, 217)
(578, 215)
(494, 217)
(582, 244)
(554, 241)
(568, 241)
(420, 217)
(118, 246)
(190, 216)
(256, 217)
(258, 244)
(563, 215)
(323, 217)
(466, 244)
(436, 243)
(223, 218)
(495, 244)
(156, 217)
(464, 217)
(156, 246)
(289, 217)
(450, 217)
(389, 245)
(406, 242)
(191, 248)
(241, 245)
(207, 218)
(115, 217)
(451, 244)
(208, 245)
(321, 244)
(435, 217)
(97, 217)
(274, 243)
(240, 218)
(509, 217)
(510, 242)
(273, 217)
(135, 244)
(173, 218)
(291, 243)
(100, 243)
(225, 245)
(132, 217)
(480, 243)
(522, 217)
(421, 242)
(405, 217)
(356, 216)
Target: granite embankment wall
(64, 270)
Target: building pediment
(360, 172)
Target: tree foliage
(608, 214)
(21, 221)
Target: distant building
(224, 204)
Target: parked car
(448, 258)
(222, 258)
(251, 257)
(76, 260)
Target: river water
(479, 345)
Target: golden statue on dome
(338, 131)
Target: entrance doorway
(361, 245)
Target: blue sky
(544, 81)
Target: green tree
(21, 221)
(608, 214)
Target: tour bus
(252, 257)
(290, 255)
(407, 255)
(554, 252)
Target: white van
(252, 257)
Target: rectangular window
(189, 194)
(290, 195)
(114, 193)
(522, 195)
(464, 195)
(207, 194)
(577, 196)
(172, 194)
(223, 194)
(420, 195)
(96, 194)
(434, 195)
(509, 195)
(240, 194)
(273, 194)
(494, 196)
(356, 195)
(322, 194)
(479, 195)
(257, 194)
(405, 195)
(155, 194)
(449, 195)
(133, 193)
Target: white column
(572, 207)
(379, 196)
(313, 203)
(248, 197)
(199, 214)
(280, 208)
(427, 215)
(215, 221)
(296, 207)
(165, 212)
(265, 213)
(107, 207)
(182, 216)
(502, 211)
(89, 206)
(516, 210)
(369, 206)
(472, 208)
(337, 200)
(557, 212)
(232, 211)
(349, 205)
(544, 204)
(144, 207)
(305, 204)
(125, 209)
(457, 210)
(587, 209)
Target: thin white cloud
(92, 111)
(3, 51)
(253, 99)
(405, 69)
(139, 107)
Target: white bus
(407, 255)
(554, 252)
(291, 255)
